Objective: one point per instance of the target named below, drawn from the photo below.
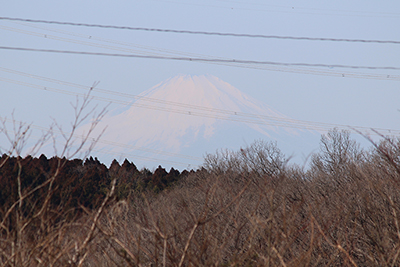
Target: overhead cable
(292, 9)
(203, 32)
(171, 106)
(115, 144)
(152, 101)
(225, 114)
(161, 51)
(195, 59)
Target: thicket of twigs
(243, 208)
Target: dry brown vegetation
(244, 208)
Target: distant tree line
(78, 184)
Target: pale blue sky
(321, 98)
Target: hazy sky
(358, 97)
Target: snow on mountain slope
(192, 115)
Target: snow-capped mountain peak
(190, 115)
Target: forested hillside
(76, 182)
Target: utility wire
(171, 106)
(62, 39)
(161, 51)
(202, 32)
(188, 108)
(115, 144)
(225, 115)
(194, 59)
(291, 9)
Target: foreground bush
(244, 208)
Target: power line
(116, 144)
(154, 101)
(291, 9)
(203, 32)
(62, 39)
(196, 59)
(188, 108)
(154, 51)
(223, 114)
(161, 51)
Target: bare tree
(19, 246)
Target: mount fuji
(176, 122)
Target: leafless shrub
(261, 158)
(343, 213)
(33, 232)
(244, 208)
